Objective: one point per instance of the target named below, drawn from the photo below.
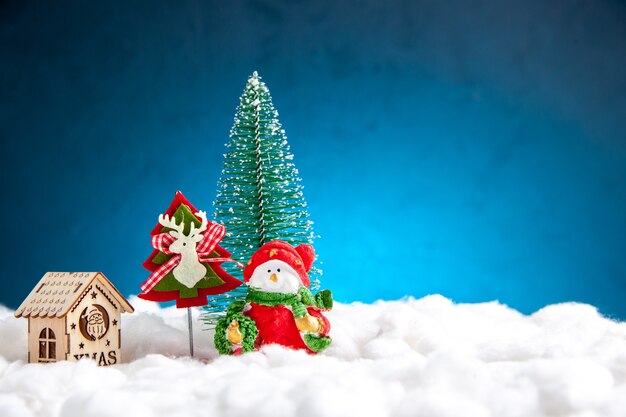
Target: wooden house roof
(57, 292)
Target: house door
(47, 346)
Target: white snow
(426, 357)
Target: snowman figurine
(279, 307)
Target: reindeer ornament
(189, 270)
(186, 262)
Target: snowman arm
(324, 299)
(235, 307)
(306, 297)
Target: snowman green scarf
(298, 302)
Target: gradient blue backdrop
(471, 148)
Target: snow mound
(426, 357)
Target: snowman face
(275, 276)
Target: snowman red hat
(299, 258)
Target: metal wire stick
(190, 325)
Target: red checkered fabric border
(160, 273)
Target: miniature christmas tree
(259, 195)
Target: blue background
(471, 148)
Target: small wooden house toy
(74, 315)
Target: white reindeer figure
(189, 270)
